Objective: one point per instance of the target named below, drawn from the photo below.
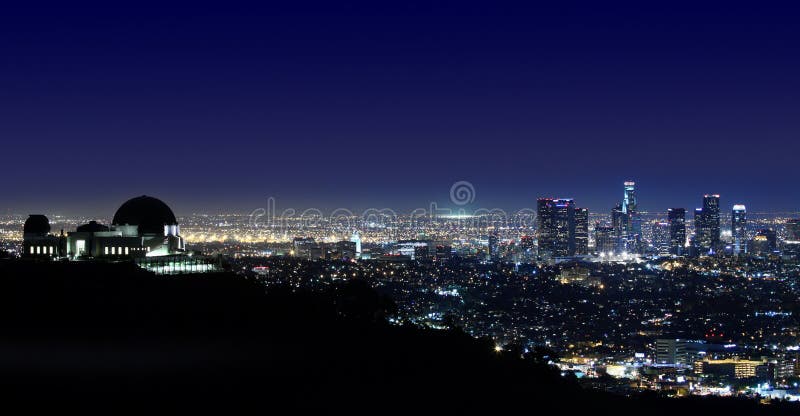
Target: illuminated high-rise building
(556, 226)
(619, 222)
(629, 204)
(627, 221)
(604, 239)
(581, 231)
(739, 229)
(661, 238)
(706, 222)
(356, 238)
(698, 225)
(765, 242)
(676, 218)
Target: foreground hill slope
(111, 336)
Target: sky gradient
(349, 105)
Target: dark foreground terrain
(112, 338)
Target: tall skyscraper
(619, 221)
(706, 222)
(629, 204)
(356, 238)
(627, 221)
(698, 225)
(604, 239)
(556, 223)
(711, 211)
(676, 218)
(739, 229)
(765, 242)
(662, 243)
(581, 231)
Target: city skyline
(444, 203)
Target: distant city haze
(333, 106)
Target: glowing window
(126, 250)
(105, 250)
(33, 249)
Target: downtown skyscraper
(706, 225)
(581, 231)
(676, 218)
(739, 229)
(626, 221)
(629, 203)
(630, 207)
(619, 222)
(556, 227)
(604, 239)
(661, 242)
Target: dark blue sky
(216, 107)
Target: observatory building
(37, 240)
(144, 229)
(143, 226)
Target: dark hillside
(113, 337)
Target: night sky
(216, 107)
